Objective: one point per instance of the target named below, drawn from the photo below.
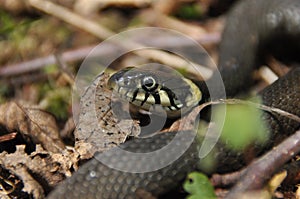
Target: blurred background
(44, 42)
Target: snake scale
(251, 29)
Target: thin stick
(81, 53)
(8, 137)
(249, 103)
(261, 170)
(38, 63)
(263, 107)
(253, 104)
(152, 16)
(125, 2)
(71, 18)
(193, 114)
(103, 33)
(226, 180)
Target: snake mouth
(156, 102)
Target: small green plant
(199, 186)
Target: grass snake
(251, 29)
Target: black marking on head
(171, 97)
(146, 97)
(134, 94)
(119, 88)
(156, 97)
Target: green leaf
(243, 126)
(199, 186)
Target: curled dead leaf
(50, 167)
(36, 124)
(99, 128)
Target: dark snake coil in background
(253, 29)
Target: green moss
(190, 11)
(56, 101)
(25, 38)
(4, 90)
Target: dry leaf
(98, 128)
(36, 124)
(276, 181)
(51, 168)
(297, 192)
(31, 186)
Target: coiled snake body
(252, 27)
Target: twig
(263, 107)
(267, 75)
(71, 18)
(103, 33)
(185, 120)
(151, 16)
(124, 2)
(4, 190)
(165, 7)
(176, 62)
(226, 180)
(35, 64)
(93, 6)
(79, 54)
(261, 170)
(66, 73)
(276, 66)
(7, 137)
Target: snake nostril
(126, 82)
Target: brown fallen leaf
(297, 194)
(32, 123)
(30, 185)
(39, 167)
(99, 128)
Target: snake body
(250, 30)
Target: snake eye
(149, 83)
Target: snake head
(150, 86)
